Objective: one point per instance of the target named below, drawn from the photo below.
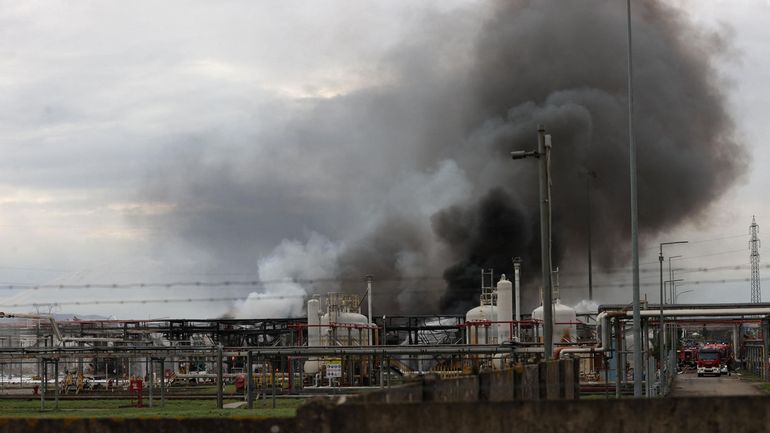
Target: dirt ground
(690, 385)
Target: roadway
(690, 385)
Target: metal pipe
(369, 301)
(517, 293)
(543, 147)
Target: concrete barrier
(717, 414)
(530, 383)
(722, 414)
(497, 385)
(464, 388)
(407, 393)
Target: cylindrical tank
(350, 330)
(477, 332)
(564, 318)
(504, 309)
(312, 365)
(313, 322)
(565, 323)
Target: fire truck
(715, 358)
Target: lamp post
(676, 299)
(543, 153)
(662, 332)
(671, 277)
(637, 322)
(670, 285)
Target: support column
(220, 379)
(618, 358)
(162, 382)
(765, 345)
(42, 367)
(250, 379)
(272, 372)
(56, 383)
(150, 379)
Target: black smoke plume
(412, 177)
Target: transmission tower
(754, 244)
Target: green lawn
(120, 408)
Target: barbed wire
(273, 297)
(321, 280)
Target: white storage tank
(479, 329)
(343, 324)
(504, 309)
(565, 322)
(312, 365)
(351, 329)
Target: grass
(122, 409)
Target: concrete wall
(407, 393)
(465, 388)
(736, 414)
(497, 385)
(546, 381)
(717, 414)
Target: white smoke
(285, 273)
(585, 306)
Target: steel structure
(754, 244)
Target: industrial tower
(756, 293)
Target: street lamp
(673, 287)
(637, 321)
(682, 293)
(670, 285)
(543, 153)
(671, 276)
(662, 333)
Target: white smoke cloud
(585, 306)
(290, 261)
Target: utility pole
(662, 331)
(634, 216)
(543, 153)
(754, 244)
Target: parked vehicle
(726, 355)
(709, 362)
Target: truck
(709, 362)
(726, 355)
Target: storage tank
(343, 324)
(565, 322)
(504, 309)
(477, 331)
(350, 328)
(312, 365)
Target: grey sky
(99, 101)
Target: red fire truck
(715, 358)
